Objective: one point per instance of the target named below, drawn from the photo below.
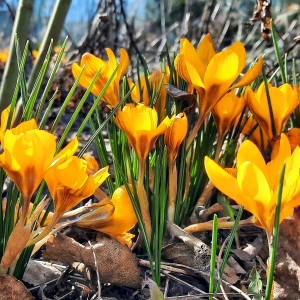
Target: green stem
(144, 204)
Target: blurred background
(144, 26)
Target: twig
(97, 270)
(218, 266)
(187, 284)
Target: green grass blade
(278, 55)
(273, 244)
(77, 110)
(50, 80)
(269, 102)
(214, 244)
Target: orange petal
(206, 51)
(187, 71)
(250, 74)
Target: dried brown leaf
(250, 251)
(11, 288)
(186, 249)
(287, 272)
(116, 264)
(37, 273)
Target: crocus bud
(175, 135)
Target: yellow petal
(205, 51)
(175, 134)
(25, 126)
(249, 152)
(124, 62)
(111, 59)
(191, 55)
(222, 70)
(240, 51)
(226, 183)
(251, 74)
(187, 71)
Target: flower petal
(187, 71)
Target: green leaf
(155, 292)
(255, 287)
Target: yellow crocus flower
(212, 74)
(27, 154)
(226, 111)
(140, 125)
(256, 183)
(114, 217)
(69, 183)
(284, 100)
(93, 64)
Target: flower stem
(144, 204)
(194, 131)
(218, 148)
(172, 190)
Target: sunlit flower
(212, 74)
(175, 134)
(93, 64)
(226, 111)
(113, 217)
(27, 154)
(284, 100)
(140, 125)
(256, 183)
(69, 183)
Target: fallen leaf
(287, 272)
(116, 264)
(37, 273)
(186, 249)
(251, 250)
(11, 288)
(155, 292)
(178, 95)
(255, 286)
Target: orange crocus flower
(114, 217)
(284, 100)
(27, 154)
(256, 183)
(140, 125)
(93, 64)
(226, 111)
(212, 74)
